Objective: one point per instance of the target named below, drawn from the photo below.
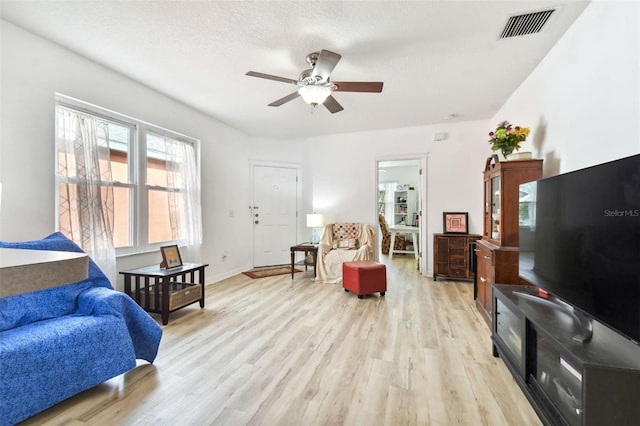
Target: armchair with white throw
(343, 242)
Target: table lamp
(314, 221)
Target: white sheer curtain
(184, 192)
(86, 194)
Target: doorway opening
(401, 186)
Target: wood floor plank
(277, 351)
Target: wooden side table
(166, 290)
(306, 248)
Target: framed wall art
(455, 222)
(170, 257)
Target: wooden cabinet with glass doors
(497, 251)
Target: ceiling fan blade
(285, 99)
(326, 62)
(332, 105)
(358, 86)
(271, 77)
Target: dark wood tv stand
(590, 380)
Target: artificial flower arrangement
(506, 138)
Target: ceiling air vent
(529, 23)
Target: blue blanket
(60, 341)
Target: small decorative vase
(506, 153)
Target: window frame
(139, 189)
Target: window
(143, 180)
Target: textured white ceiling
(436, 58)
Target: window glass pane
(156, 172)
(159, 225)
(70, 216)
(156, 161)
(67, 221)
(160, 162)
(118, 145)
(122, 217)
(66, 134)
(119, 166)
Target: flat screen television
(580, 241)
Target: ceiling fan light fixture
(314, 95)
(315, 86)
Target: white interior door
(274, 214)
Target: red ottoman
(364, 277)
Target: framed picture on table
(455, 222)
(170, 257)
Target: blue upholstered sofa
(57, 342)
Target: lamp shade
(314, 220)
(314, 95)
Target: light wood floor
(273, 351)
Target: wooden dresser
(451, 256)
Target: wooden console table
(306, 248)
(166, 290)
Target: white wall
(344, 173)
(33, 70)
(583, 100)
(404, 175)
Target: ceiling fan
(315, 86)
